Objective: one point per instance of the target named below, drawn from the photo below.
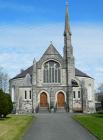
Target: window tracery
(52, 72)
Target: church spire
(67, 24)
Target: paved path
(57, 127)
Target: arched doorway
(60, 99)
(43, 100)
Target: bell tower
(69, 59)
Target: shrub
(100, 112)
(6, 105)
(102, 103)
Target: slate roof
(30, 69)
(81, 74)
(51, 50)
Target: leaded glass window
(25, 94)
(78, 94)
(52, 72)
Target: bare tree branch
(4, 80)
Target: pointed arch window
(52, 72)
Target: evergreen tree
(6, 105)
(102, 103)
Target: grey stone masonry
(65, 86)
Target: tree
(100, 88)
(102, 103)
(4, 80)
(100, 96)
(6, 105)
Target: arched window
(52, 72)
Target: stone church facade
(53, 82)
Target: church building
(53, 82)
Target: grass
(14, 126)
(93, 122)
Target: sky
(28, 26)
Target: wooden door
(60, 99)
(43, 100)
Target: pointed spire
(67, 24)
(34, 61)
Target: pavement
(57, 126)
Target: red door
(60, 99)
(43, 100)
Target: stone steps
(43, 110)
(61, 110)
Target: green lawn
(94, 123)
(14, 126)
